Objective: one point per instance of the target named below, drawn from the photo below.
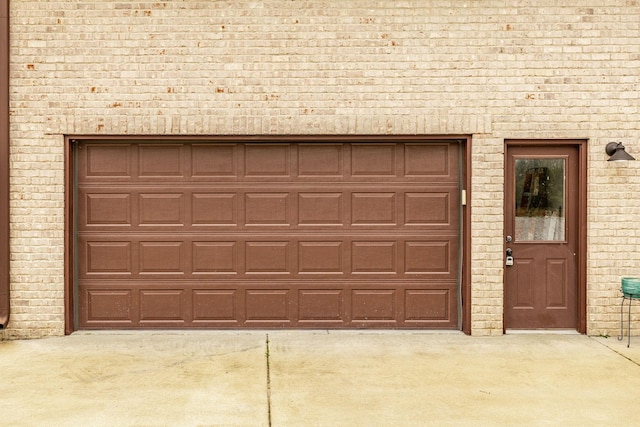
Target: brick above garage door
(175, 234)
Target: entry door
(541, 235)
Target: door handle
(509, 257)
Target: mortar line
(267, 356)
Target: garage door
(174, 234)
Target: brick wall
(531, 70)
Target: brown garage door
(227, 235)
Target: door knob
(509, 259)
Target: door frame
(581, 258)
(464, 141)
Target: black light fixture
(616, 152)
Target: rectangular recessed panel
(320, 160)
(161, 305)
(267, 257)
(373, 257)
(214, 209)
(160, 160)
(373, 208)
(373, 160)
(109, 305)
(160, 209)
(267, 160)
(320, 208)
(213, 160)
(320, 305)
(320, 257)
(214, 257)
(372, 305)
(108, 209)
(427, 208)
(161, 257)
(267, 209)
(426, 159)
(214, 305)
(426, 257)
(108, 161)
(556, 295)
(335, 234)
(108, 257)
(267, 305)
(425, 305)
(524, 284)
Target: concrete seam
(616, 351)
(268, 381)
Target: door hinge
(463, 197)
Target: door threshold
(542, 331)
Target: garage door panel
(373, 160)
(427, 257)
(267, 209)
(321, 257)
(431, 208)
(277, 303)
(306, 235)
(110, 209)
(161, 161)
(112, 161)
(321, 305)
(102, 258)
(320, 209)
(373, 208)
(211, 305)
(161, 257)
(162, 305)
(305, 255)
(373, 305)
(108, 305)
(265, 257)
(435, 162)
(320, 160)
(161, 209)
(267, 160)
(430, 305)
(215, 258)
(429, 160)
(373, 257)
(267, 305)
(214, 209)
(217, 161)
(235, 208)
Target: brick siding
(492, 69)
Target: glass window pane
(540, 199)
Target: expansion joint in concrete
(268, 380)
(617, 352)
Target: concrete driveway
(318, 378)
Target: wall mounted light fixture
(616, 152)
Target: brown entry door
(541, 225)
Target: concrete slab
(318, 378)
(416, 379)
(137, 379)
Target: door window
(540, 199)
